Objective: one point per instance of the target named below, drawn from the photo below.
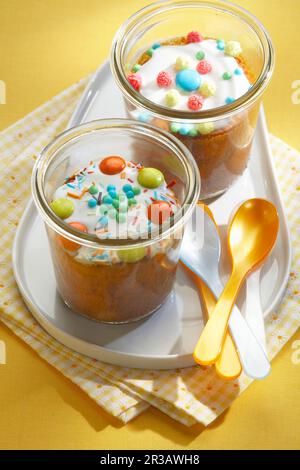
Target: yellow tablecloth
(171, 436)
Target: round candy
(188, 80)
(220, 44)
(200, 55)
(62, 207)
(204, 67)
(116, 203)
(136, 67)
(132, 255)
(205, 127)
(93, 189)
(229, 100)
(111, 187)
(175, 127)
(150, 178)
(238, 71)
(136, 191)
(184, 130)
(135, 80)
(233, 48)
(127, 187)
(112, 165)
(130, 194)
(68, 244)
(164, 79)
(207, 89)
(107, 199)
(226, 76)
(172, 97)
(132, 201)
(195, 102)
(149, 52)
(181, 63)
(156, 45)
(159, 212)
(113, 194)
(92, 202)
(193, 132)
(194, 36)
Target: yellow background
(45, 46)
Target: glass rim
(221, 112)
(48, 154)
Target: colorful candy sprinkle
(93, 189)
(238, 71)
(194, 36)
(62, 207)
(233, 48)
(172, 98)
(229, 100)
(205, 127)
(204, 67)
(195, 102)
(150, 178)
(226, 76)
(220, 44)
(181, 63)
(92, 203)
(112, 165)
(164, 79)
(135, 80)
(188, 80)
(207, 89)
(200, 55)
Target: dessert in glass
(197, 69)
(115, 196)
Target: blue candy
(229, 100)
(184, 130)
(144, 117)
(92, 203)
(111, 187)
(188, 80)
(127, 187)
(220, 44)
(113, 194)
(107, 199)
(156, 45)
(238, 72)
(130, 194)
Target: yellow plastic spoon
(251, 236)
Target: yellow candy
(172, 98)
(205, 127)
(207, 89)
(233, 48)
(181, 64)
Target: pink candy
(135, 80)
(164, 79)
(204, 67)
(194, 36)
(195, 102)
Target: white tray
(166, 339)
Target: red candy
(112, 165)
(135, 80)
(195, 102)
(204, 67)
(159, 212)
(194, 36)
(164, 79)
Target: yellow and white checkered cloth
(188, 395)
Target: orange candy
(112, 165)
(159, 212)
(68, 244)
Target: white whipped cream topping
(164, 59)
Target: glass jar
(220, 139)
(115, 280)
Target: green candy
(132, 255)
(200, 55)
(116, 203)
(193, 132)
(93, 189)
(136, 191)
(150, 178)
(62, 207)
(175, 127)
(136, 68)
(132, 201)
(226, 76)
(149, 52)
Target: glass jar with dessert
(115, 196)
(197, 69)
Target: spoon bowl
(252, 234)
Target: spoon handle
(212, 338)
(228, 365)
